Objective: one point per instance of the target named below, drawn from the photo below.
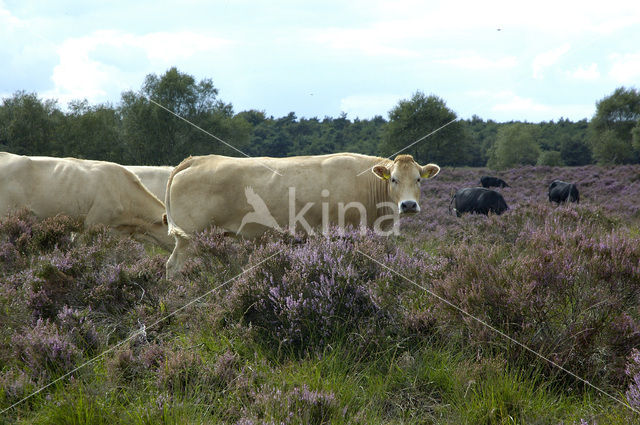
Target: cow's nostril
(408, 206)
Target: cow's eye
(394, 180)
(418, 180)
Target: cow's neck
(378, 193)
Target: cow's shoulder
(8, 158)
(12, 166)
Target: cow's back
(479, 200)
(49, 186)
(560, 191)
(153, 178)
(40, 184)
(222, 190)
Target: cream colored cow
(247, 196)
(153, 177)
(95, 191)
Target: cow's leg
(178, 257)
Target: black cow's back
(488, 181)
(560, 191)
(479, 200)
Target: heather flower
(50, 290)
(10, 257)
(134, 362)
(315, 407)
(15, 385)
(80, 328)
(226, 368)
(54, 232)
(555, 279)
(125, 366)
(632, 370)
(183, 371)
(111, 289)
(17, 229)
(152, 356)
(300, 405)
(45, 349)
(310, 293)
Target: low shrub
(306, 295)
(632, 371)
(15, 385)
(45, 350)
(567, 288)
(134, 362)
(81, 330)
(95, 269)
(299, 405)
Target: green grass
(402, 383)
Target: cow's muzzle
(409, 207)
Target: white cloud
(617, 23)
(475, 61)
(509, 101)
(549, 16)
(377, 40)
(169, 47)
(547, 59)
(7, 19)
(625, 68)
(367, 106)
(84, 71)
(585, 73)
(507, 105)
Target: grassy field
(338, 329)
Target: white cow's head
(403, 177)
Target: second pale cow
(248, 196)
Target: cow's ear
(382, 172)
(429, 170)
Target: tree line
(173, 116)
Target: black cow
(560, 191)
(478, 200)
(488, 181)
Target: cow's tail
(451, 202)
(174, 230)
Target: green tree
(635, 136)
(552, 158)
(610, 130)
(363, 136)
(610, 148)
(414, 119)
(154, 135)
(483, 135)
(574, 151)
(252, 116)
(28, 124)
(91, 132)
(515, 145)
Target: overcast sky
(500, 60)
